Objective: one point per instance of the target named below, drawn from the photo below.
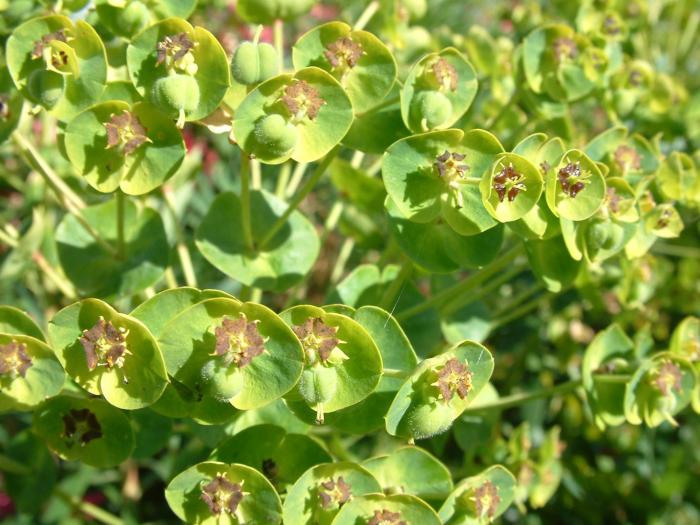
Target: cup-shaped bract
(600, 237)
(575, 187)
(662, 386)
(685, 342)
(447, 74)
(57, 63)
(439, 390)
(323, 490)
(267, 11)
(664, 221)
(362, 64)
(620, 200)
(411, 470)
(394, 509)
(511, 188)
(342, 364)
(210, 493)
(14, 321)
(29, 372)
(281, 456)
(241, 353)
(678, 178)
(301, 116)
(11, 102)
(181, 69)
(86, 430)
(133, 148)
(279, 264)
(109, 354)
(481, 498)
(126, 20)
(628, 156)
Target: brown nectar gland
(81, 426)
(126, 131)
(564, 49)
(627, 158)
(14, 360)
(238, 341)
(445, 74)
(667, 378)
(318, 339)
(104, 345)
(486, 500)
(454, 378)
(508, 182)
(572, 179)
(386, 517)
(334, 493)
(176, 53)
(222, 495)
(343, 53)
(44, 41)
(302, 100)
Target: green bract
(342, 364)
(362, 64)
(386, 509)
(109, 353)
(575, 187)
(209, 491)
(314, 107)
(114, 145)
(439, 390)
(87, 430)
(439, 89)
(267, 11)
(511, 188)
(173, 48)
(232, 351)
(58, 64)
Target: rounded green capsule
(222, 382)
(133, 18)
(176, 92)
(45, 87)
(429, 419)
(253, 63)
(318, 384)
(276, 134)
(433, 108)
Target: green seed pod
(176, 93)
(318, 384)
(433, 108)
(598, 236)
(222, 382)
(253, 63)
(133, 18)
(429, 419)
(45, 87)
(276, 134)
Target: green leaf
(282, 457)
(411, 470)
(259, 504)
(303, 504)
(363, 508)
(551, 262)
(282, 263)
(141, 379)
(15, 321)
(93, 269)
(367, 80)
(102, 436)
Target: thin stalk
(468, 284)
(386, 103)
(245, 202)
(366, 15)
(394, 372)
(283, 179)
(462, 301)
(343, 256)
(170, 279)
(61, 282)
(299, 197)
(498, 116)
(121, 244)
(392, 291)
(297, 175)
(278, 37)
(525, 397)
(39, 164)
(7, 464)
(6, 239)
(356, 160)
(94, 233)
(676, 250)
(520, 299)
(256, 295)
(183, 251)
(518, 312)
(255, 174)
(94, 511)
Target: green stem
(525, 397)
(518, 311)
(121, 244)
(61, 282)
(278, 37)
(245, 202)
(394, 372)
(7, 464)
(676, 250)
(94, 511)
(391, 292)
(283, 179)
(299, 197)
(386, 103)
(498, 116)
(255, 174)
(6, 239)
(295, 181)
(343, 255)
(466, 285)
(183, 252)
(464, 300)
(612, 378)
(366, 15)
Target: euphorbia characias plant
(375, 262)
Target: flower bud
(253, 63)
(433, 108)
(429, 419)
(45, 87)
(276, 134)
